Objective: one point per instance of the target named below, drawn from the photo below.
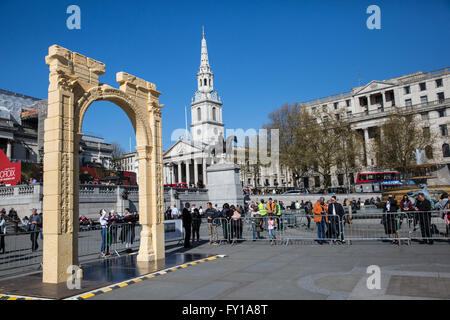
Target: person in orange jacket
(320, 210)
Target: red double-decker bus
(377, 177)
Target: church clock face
(214, 95)
(198, 96)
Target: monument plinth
(224, 185)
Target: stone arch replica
(73, 87)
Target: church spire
(204, 62)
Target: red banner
(9, 172)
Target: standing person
(320, 210)
(127, 232)
(2, 233)
(196, 221)
(41, 235)
(446, 217)
(271, 228)
(211, 218)
(262, 208)
(406, 207)
(104, 225)
(174, 213)
(297, 206)
(277, 213)
(423, 208)
(336, 213)
(270, 207)
(187, 224)
(389, 218)
(226, 222)
(236, 223)
(348, 205)
(13, 216)
(35, 221)
(308, 211)
(168, 213)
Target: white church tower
(206, 107)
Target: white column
(205, 181)
(172, 173)
(188, 175)
(366, 143)
(195, 171)
(179, 172)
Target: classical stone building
(424, 94)
(18, 126)
(22, 132)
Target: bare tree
(400, 136)
(116, 154)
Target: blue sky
(263, 53)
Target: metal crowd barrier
(397, 227)
(19, 250)
(122, 238)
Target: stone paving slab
(255, 271)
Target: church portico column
(179, 172)
(188, 174)
(195, 172)
(205, 181)
(366, 144)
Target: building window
(422, 86)
(313, 109)
(340, 179)
(438, 83)
(424, 115)
(444, 130)
(426, 131)
(210, 82)
(441, 97)
(338, 116)
(205, 82)
(200, 82)
(347, 102)
(423, 99)
(429, 152)
(441, 113)
(349, 113)
(407, 89)
(317, 181)
(336, 104)
(199, 114)
(214, 113)
(373, 132)
(408, 102)
(325, 118)
(446, 150)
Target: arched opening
(214, 113)
(200, 82)
(199, 114)
(205, 82)
(108, 167)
